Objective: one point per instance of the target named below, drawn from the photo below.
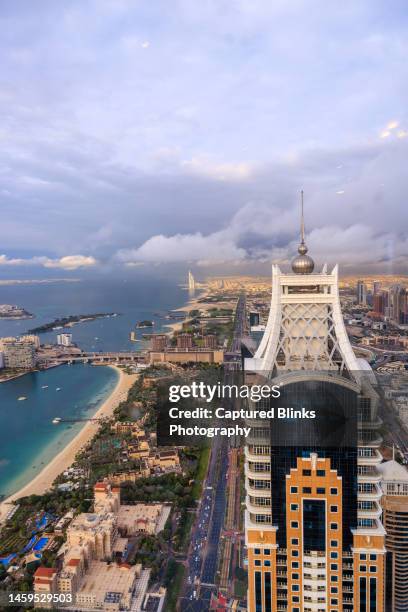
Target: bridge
(100, 358)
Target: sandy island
(43, 481)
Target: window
(293, 489)
(306, 490)
(333, 508)
(334, 543)
(257, 551)
(363, 594)
(262, 518)
(334, 555)
(294, 507)
(267, 551)
(333, 526)
(267, 563)
(257, 562)
(295, 553)
(314, 524)
(373, 557)
(334, 590)
(294, 524)
(258, 592)
(294, 542)
(268, 592)
(373, 594)
(373, 569)
(321, 491)
(295, 564)
(321, 473)
(334, 579)
(333, 602)
(295, 599)
(295, 576)
(363, 568)
(363, 557)
(307, 472)
(333, 491)
(334, 567)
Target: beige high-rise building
(313, 526)
(395, 519)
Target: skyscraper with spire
(191, 281)
(313, 516)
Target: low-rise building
(187, 356)
(92, 566)
(17, 353)
(45, 580)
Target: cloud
(215, 248)
(71, 262)
(68, 262)
(218, 171)
(252, 235)
(159, 129)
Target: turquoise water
(136, 299)
(28, 439)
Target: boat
(44, 387)
(21, 398)
(58, 389)
(56, 420)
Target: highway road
(202, 557)
(205, 536)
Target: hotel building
(18, 353)
(313, 526)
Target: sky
(145, 132)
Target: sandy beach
(43, 481)
(192, 304)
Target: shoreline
(65, 458)
(191, 304)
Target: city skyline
(148, 134)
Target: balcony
(250, 456)
(375, 494)
(254, 509)
(368, 474)
(256, 492)
(249, 473)
(373, 458)
(374, 512)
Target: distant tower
(191, 281)
(361, 292)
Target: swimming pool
(40, 544)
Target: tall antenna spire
(302, 221)
(302, 264)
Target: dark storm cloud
(136, 132)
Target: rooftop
(392, 470)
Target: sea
(28, 439)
